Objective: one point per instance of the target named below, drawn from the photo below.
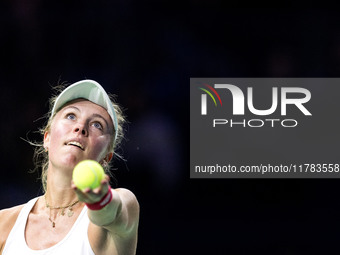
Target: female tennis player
(84, 123)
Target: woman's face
(80, 130)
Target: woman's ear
(46, 140)
(106, 159)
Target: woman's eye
(71, 116)
(97, 125)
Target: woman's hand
(90, 196)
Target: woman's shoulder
(127, 196)
(7, 220)
(9, 215)
(10, 212)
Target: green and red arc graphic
(209, 93)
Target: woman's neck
(58, 189)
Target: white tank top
(76, 241)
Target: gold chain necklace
(69, 207)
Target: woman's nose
(80, 128)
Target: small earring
(46, 149)
(104, 164)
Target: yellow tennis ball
(88, 174)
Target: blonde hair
(40, 156)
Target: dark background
(146, 52)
